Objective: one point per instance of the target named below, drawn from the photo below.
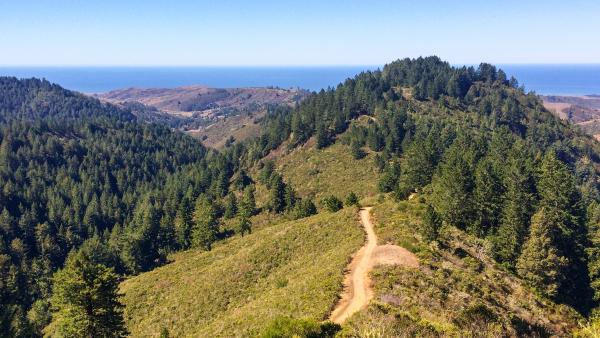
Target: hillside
(506, 201)
(582, 111)
(212, 114)
(286, 269)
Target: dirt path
(357, 284)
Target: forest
(87, 188)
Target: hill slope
(288, 269)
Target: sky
(284, 33)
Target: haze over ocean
(544, 79)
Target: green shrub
(304, 328)
(332, 203)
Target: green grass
(288, 269)
(457, 290)
(330, 171)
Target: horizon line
(284, 65)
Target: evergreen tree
(304, 208)
(488, 198)
(183, 223)
(289, 198)
(540, 263)
(352, 200)
(519, 204)
(453, 187)
(332, 203)
(277, 199)
(205, 226)
(85, 301)
(231, 207)
(243, 225)
(356, 151)
(247, 205)
(431, 224)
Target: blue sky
(311, 32)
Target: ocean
(543, 79)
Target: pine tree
(352, 200)
(488, 199)
(85, 301)
(453, 187)
(304, 208)
(277, 199)
(205, 226)
(540, 263)
(231, 207)
(289, 197)
(244, 225)
(332, 203)
(431, 224)
(247, 206)
(183, 223)
(356, 151)
(518, 207)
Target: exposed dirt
(357, 284)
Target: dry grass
(330, 171)
(288, 269)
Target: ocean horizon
(545, 79)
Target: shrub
(332, 203)
(304, 328)
(352, 199)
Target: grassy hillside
(240, 127)
(330, 171)
(288, 269)
(457, 290)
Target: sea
(545, 79)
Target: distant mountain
(583, 111)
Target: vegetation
(505, 189)
(456, 291)
(222, 293)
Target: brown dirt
(357, 284)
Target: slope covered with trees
(75, 170)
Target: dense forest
(495, 162)
(79, 174)
(88, 190)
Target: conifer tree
(85, 301)
(541, 265)
(277, 199)
(431, 224)
(352, 199)
(247, 205)
(231, 207)
(244, 225)
(204, 230)
(183, 223)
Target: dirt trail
(357, 284)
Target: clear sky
(309, 32)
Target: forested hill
(75, 171)
(492, 159)
(31, 99)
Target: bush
(352, 199)
(332, 203)
(304, 328)
(304, 208)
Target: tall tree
(540, 263)
(85, 301)
(204, 230)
